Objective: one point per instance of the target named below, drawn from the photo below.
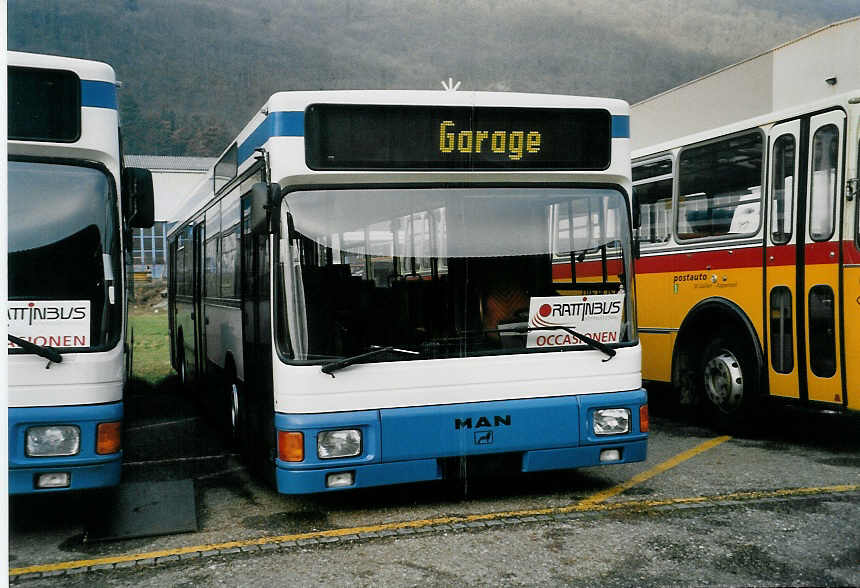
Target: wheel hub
(724, 382)
(234, 406)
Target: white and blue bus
(381, 287)
(69, 201)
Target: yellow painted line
(578, 507)
(586, 504)
(658, 469)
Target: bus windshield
(64, 256)
(446, 272)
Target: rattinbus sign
(598, 317)
(55, 323)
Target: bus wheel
(729, 381)
(724, 381)
(183, 375)
(233, 399)
(235, 405)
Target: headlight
(611, 421)
(54, 440)
(343, 443)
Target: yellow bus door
(819, 226)
(781, 260)
(851, 283)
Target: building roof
(170, 162)
(818, 66)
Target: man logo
(498, 421)
(483, 437)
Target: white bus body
(403, 171)
(66, 282)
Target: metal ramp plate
(146, 509)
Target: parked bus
(69, 203)
(363, 288)
(749, 244)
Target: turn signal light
(643, 418)
(108, 437)
(291, 446)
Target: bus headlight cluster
(342, 443)
(53, 440)
(611, 421)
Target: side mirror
(139, 199)
(263, 215)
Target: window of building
(148, 245)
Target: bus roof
(258, 131)
(817, 66)
(86, 69)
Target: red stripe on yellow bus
(729, 258)
(717, 260)
(782, 255)
(587, 269)
(821, 253)
(850, 252)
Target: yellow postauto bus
(748, 269)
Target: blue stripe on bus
(276, 124)
(98, 94)
(620, 127)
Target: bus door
(197, 296)
(851, 277)
(802, 258)
(781, 260)
(258, 391)
(821, 226)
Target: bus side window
(212, 279)
(230, 246)
(714, 180)
(652, 188)
(782, 190)
(825, 151)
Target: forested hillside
(194, 71)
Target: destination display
(44, 105)
(363, 137)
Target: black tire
(235, 418)
(729, 381)
(180, 364)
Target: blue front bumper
(404, 445)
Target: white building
(813, 67)
(172, 179)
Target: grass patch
(151, 347)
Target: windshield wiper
(333, 366)
(593, 343)
(49, 353)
